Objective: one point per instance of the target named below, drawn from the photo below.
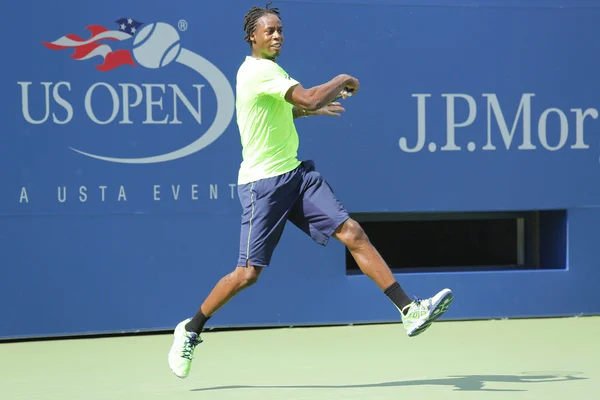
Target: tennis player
(275, 187)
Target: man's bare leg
(187, 332)
(229, 286)
(367, 257)
(417, 316)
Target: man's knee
(248, 275)
(351, 234)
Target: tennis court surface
(504, 359)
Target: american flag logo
(92, 47)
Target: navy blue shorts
(301, 196)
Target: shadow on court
(457, 383)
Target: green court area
(506, 359)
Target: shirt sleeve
(273, 81)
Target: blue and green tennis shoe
(182, 350)
(420, 314)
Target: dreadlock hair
(252, 17)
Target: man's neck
(260, 57)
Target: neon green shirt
(267, 131)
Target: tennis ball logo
(156, 45)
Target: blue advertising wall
(120, 151)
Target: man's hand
(352, 86)
(333, 109)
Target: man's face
(268, 36)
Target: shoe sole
(439, 309)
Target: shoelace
(189, 345)
(416, 301)
(419, 302)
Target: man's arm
(317, 97)
(332, 109)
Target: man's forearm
(327, 92)
(323, 95)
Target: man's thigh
(266, 205)
(317, 211)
